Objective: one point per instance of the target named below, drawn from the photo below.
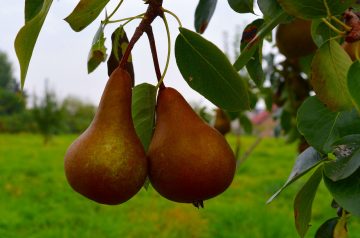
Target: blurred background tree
(47, 115)
(77, 114)
(11, 99)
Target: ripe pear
(351, 48)
(107, 163)
(294, 39)
(189, 161)
(222, 121)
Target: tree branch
(151, 38)
(154, 10)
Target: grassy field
(36, 201)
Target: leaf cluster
(327, 123)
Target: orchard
(148, 135)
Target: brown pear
(189, 161)
(107, 163)
(222, 121)
(294, 39)
(351, 48)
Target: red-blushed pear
(107, 163)
(294, 39)
(222, 121)
(189, 161)
(351, 48)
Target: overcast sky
(60, 54)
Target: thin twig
(332, 27)
(168, 53)
(346, 27)
(154, 10)
(174, 15)
(152, 43)
(115, 10)
(248, 152)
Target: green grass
(36, 201)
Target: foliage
(18, 122)
(11, 100)
(7, 80)
(48, 114)
(76, 114)
(328, 121)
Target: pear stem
(154, 10)
(124, 19)
(199, 204)
(152, 43)
(328, 12)
(248, 152)
(174, 15)
(332, 27)
(168, 54)
(115, 10)
(345, 26)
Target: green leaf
(242, 6)
(322, 127)
(143, 112)
(252, 45)
(27, 36)
(97, 52)
(312, 9)
(353, 83)
(253, 99)
(305, 64)
(208, 71)
(245, 123)
(320, 32)
(203, 13)
(268, 98)
(120, 43)
(307, 160)
(328, 76)
(254, 65)
(269, 8)
(32, 8)
(84, 13)
(303, 202)
(356, 7)
(255, 69)
(326, 230)
(347, 153)
(286, 120)
(346, 192)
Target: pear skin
(189, 161)
(107, 163)
(351, 48)
(294, 39)
(222, 122)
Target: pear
(189, 161)
(351, 48)
(294, 39)
(222, 121)
(107, 163)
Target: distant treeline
(72, 115)
(46, 115)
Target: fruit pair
(188, 161)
